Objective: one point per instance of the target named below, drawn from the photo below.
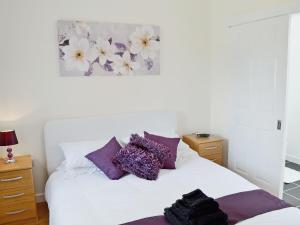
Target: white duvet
(85, 197)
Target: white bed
(88, 197)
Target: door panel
(259, 70)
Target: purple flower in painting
(137, 161)
(89, 72)
(149, 63)
(121, 47)
(108, 67)
(133, 57)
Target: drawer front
(16, 195)
(210, 148)
(217, 158)
(15, 179)
(16, 212)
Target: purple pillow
(162, 152)
(138, 161)
(171, 143)
(103, 159)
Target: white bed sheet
(85, 197)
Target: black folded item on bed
(195, 208)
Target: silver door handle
(12, 179)
(13, 196)
(210, 148)
(279, 124)
(15, 212)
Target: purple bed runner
(238, 207)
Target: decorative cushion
(162, 152)
(138, 161)
(171, 143)
(103, 159)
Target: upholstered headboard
(101, 128)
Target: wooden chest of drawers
(210, 148)
(17, 198)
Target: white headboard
(100, 128)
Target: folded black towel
(199, 204)
(172, 218)
(195, 208)
(185, 212)
(217, 218)
(194, 195)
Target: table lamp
(8, 138)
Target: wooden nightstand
(17, 198)
(209, 148)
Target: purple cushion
(161, 151)
(103, 159)
(171, 143)
(138, 161)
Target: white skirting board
(40, 197)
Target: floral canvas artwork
(87, 49)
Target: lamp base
(10, 156)
(10, 160)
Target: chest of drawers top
(22, 163)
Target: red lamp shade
(8, 138)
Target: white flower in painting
(143, 42)
(76, 54)
(104, 50)
(82, 28)
(124, 65)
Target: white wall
(223, 14)
(32, 91)
(293, 100)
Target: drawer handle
(15, 212)
(210, 148)
(13, 196)
(12, 179)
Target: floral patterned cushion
(138, 161)
(161, 151)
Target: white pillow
(75, 152)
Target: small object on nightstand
(202, 135)
(207, 147)
(8, 138)
(17, 196)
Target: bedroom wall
(32, 91)
(224, 13)
(293, 99)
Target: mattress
(88, 197)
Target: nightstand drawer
(15, 179)
(17, 212)
(16, 195)
(217, 158)
(210, 148)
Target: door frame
(285, 131)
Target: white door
(259, 70)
